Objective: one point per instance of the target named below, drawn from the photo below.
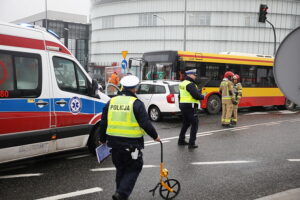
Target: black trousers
(190, 117)
(128, 170)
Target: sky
(11, 10)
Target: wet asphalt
(259, 157)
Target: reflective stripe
(185, 96)
(121, 119)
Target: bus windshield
(159, 65)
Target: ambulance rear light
(171, 98)
(52, 48)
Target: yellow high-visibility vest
(121, 119)
(185, 96)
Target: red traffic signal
(263, 13)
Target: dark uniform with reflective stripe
(128, 169)
(189, 110)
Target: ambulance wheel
(93, 141)
(154, 113)
(174, 185)
(213, 104)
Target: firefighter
(226, 90)
(188, 103)
(237, 91)
(124, 123)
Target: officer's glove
(235, 102)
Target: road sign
(124, 53)
(124, 64)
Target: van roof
(33, 38)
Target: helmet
(130, 81)
(237, 77)
(228, 74)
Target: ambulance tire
(93, 141)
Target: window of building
(108, 22)
(20, 75)
(147, 20)
(200, 19)
(69, 76)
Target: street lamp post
(46, 14)
(161, 18)
(184, 26)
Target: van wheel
(213, 104)
(154, 113)
(93, 141)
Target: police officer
(123, 125)
(237, 90)
(188, 103)
(226, 89)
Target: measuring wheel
(174, 185)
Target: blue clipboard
(102, 152)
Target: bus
(256, 73)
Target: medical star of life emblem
(75, 105)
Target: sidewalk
(293, 194)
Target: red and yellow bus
(256, 72)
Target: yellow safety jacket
(226, 89)
(121, 119)
(238, 90)
(185, 96)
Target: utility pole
(164, 21)
(46, 15)
(184, 28)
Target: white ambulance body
(48, 103)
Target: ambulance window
(27, 73)
(6, 72)
(69, 77)
(20, 75)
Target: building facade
(72, 29)
(211, 26)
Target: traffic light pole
(274, 35)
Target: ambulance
(48, 103)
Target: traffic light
(263, 13)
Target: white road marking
(20, 175)
(114, 169)
(294, 160)
(288, 112)
(222, 162)
(272, 123)
(257, 113)
(240, 129)
(73, 194)
(153, 143)
(79, 156)
(207, 133)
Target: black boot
(181, 143)
(118, 196)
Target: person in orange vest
(114, 79)
(237, 90)
(226, 90)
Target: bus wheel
(93, 141)
(289, 105)
(213, 104)
(154, 113)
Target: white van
(48, 103)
